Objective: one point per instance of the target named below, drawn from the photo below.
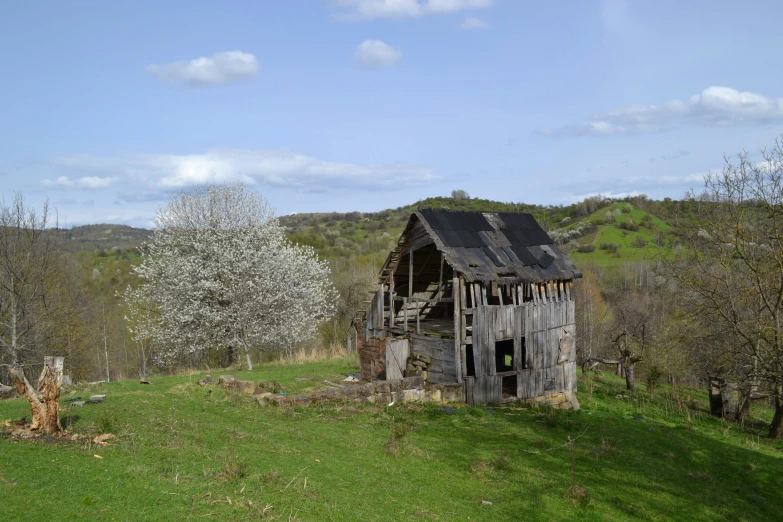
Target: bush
(586, 249)
(629, 225)
(610, 247)
(639, 242)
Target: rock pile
(260, 391)
(418, 365)
(409, 389)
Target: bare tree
(732, 274)
(28, 263)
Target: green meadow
(200, 453)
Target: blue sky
(107, 108)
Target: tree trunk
(247, 356)
(630, 376)
(776, 426)
(44, 403)
(745, 408)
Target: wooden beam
(391, 299)
(440, 278)
(457, 324)
(410, 276)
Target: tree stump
(45, 402)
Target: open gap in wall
(470, 367)
(509, 387)
(523, 354)
(504, 355)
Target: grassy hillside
(635, 227)
(618, 233)
(105, 238)
(185, 452)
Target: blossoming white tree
(219, 273)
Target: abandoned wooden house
(482, 299)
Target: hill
(186, 452)
(598, 231)
(104, 237)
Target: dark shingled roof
(498, 246)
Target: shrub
(639, 242)
(610, 247)
(629, 225)
(586, 249)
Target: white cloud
(376, 54)
(219, 68)
(474, 23)
(275, 168)
(373, 9)
(96, 182)
(713, 107)
(62, 181)
(89, 182)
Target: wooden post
(457, 325)
(405, 312)
(440, 279)
(410, 276)
(391, 300)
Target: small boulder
(271, 387)
(248, 387)
(226, 380)
(95, 399)
(206, 380)
(78, 404)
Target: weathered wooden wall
(397, 352)
(549, 361)
(442, 369)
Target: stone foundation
(561, 400)
(408, 389)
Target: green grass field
(606, 233)
(191, 453)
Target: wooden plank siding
(538, 317)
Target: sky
(108, 109)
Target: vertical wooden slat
(440, 279)
(462, 294)
(391, 300)
(457, 325)
(405, 312)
